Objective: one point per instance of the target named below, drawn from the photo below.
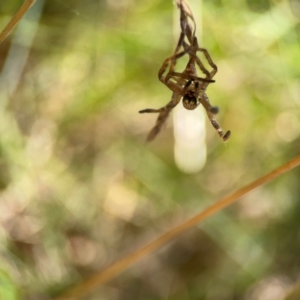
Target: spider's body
(189, 100)
(186, 85)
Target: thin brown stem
(294, 293)
(15, 19)
(120, 265)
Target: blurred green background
(80, 187)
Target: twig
(117, 267)
(294, 293)
(15, 19)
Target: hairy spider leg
(174, 101)
(213, 109)
(185, 11)
(170, 61)
(191, 77)
(192, 51)
(164, 113)
(210, 61)
(186, 29)
(205, 102)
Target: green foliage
(7, 287)
(79, 188)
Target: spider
(186, 85)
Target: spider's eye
(189, 102)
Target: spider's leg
(186, 28)
(190, 34)
(192, 48)
(172, 60)
(188, 76)
(162, 70)
(211, 63)
(185, 13)
(201, 66)
(205, 102)
(174, 101)
(192, 51)
(185, 32)
(183, 25)
(180, 41)
(177, 86)
(162, 117)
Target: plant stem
(120, 265)
(15, 19)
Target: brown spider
(186, 84)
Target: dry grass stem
(16, 19)
(294, 293)
(117, 267)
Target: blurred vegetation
(80, 188)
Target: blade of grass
(15, 19)
(120, 265)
